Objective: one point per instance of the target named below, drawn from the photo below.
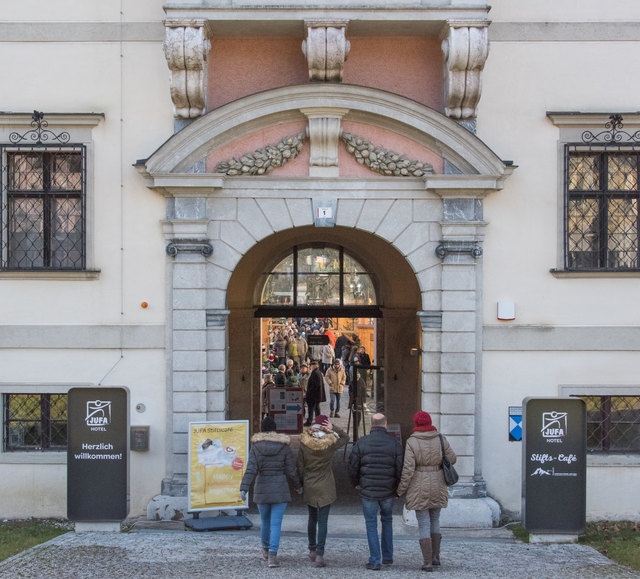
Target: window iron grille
(39, 134)
(35, 422)
(43, 208)
(613, 424)
(602, 194)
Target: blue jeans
(335, 401)
(370, 509)
(270, 525)
(318, 517)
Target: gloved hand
(243, 496)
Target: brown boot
(312, 554)
(265, 554)
(425, 547)
(435, 542)
(273, 559)
(320, 561)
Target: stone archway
(432, 220)
(399, 334)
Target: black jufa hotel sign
(554, 465)
(97, 455)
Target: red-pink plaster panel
(242, 66)
(349, 167)
(250, 143)
(408, 66)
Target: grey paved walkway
(171, 553)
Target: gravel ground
(168, 554)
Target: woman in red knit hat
(423, 482)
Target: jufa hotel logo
(98, 414)
(554, 425)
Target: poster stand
(218, 452)
(219, 523)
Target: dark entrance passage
(356, 283)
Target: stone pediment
(478, 169)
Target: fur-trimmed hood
(320, 443)
(271, 437)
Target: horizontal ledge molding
(86, 275)
(554, 338)
(82, 32)
(83, 337)
(563, 31)
(564, 274)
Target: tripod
(357, 397)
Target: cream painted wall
(128, 244)
(508, 378)
(546, 76)
(142, 371)
(522, 80)
(125, 225)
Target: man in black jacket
(375, 468)
(315, 393)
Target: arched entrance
(421, 234)
(397, 331)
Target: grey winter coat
(314, 465)
(271, 461)
(422, 477)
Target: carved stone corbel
(324, 135)
(465, 48)
(186, 49)
(326, 48)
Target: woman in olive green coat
(318, 444)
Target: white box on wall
(506, 310)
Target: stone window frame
(79, 127)
(571, 128)
(574, 390)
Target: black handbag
(450, 474)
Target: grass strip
(18, 535)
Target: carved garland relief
(375, 158)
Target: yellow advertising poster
(218, 453)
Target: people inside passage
(423, 482)
(318, 444)
(375, 468)
(271, 462)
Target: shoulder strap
(441, 444)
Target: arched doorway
(397, 300)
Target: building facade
(465, 155)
